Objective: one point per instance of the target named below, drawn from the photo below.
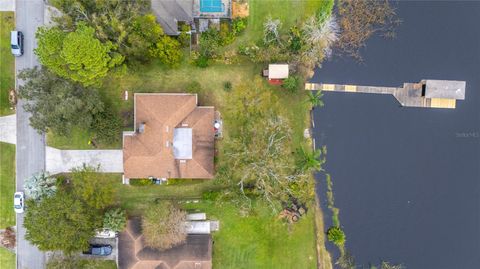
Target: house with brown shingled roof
(173, 138)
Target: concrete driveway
(63, 161)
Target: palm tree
(310, 160)
(315, 99)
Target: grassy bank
(7, 62)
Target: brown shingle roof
(151, 153)
(195, 253)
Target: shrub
(40, 185)
(202, 61)
(115, 219)
(291, 83)
(184, 37)
(210, 195)
(227, 86)
(238, 25)
(336, 235)
(141, 182)
(107, 127)
(193, 87)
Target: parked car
(18, 199)
(16, 42)
(105, 233)
(99, 250)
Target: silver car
(16, 43)
(18, 202)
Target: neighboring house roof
(177, 140)
(277, 71)
(447, 89)
(170, 12)
(196, 252)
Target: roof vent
(141, 128)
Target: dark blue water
(407, 180)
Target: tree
(291, 83)
(346, 261)
(315, 99)
(77, 55)
(258, 155)
(39, 186)
(57, 104)
(128, 24)
(93, 188)
(115, 219)
(60, 222)
(361, 19)
(336, 235)
(271, 31)
(167, 50)
(311, 160)
(163, 226)
(107, 126)
(318, 36)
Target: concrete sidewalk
(8, 128)
(7, 5)
(62, 161)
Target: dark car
(99, 250)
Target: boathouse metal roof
(446, 89)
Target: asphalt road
(30, 150)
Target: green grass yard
(7, 62)
(259, 240)
(7, 184)
(7, 259)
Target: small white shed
(277, 71)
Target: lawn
(259, 240)
(7, 62)
(7, 259)
(7, 184)
(290, 12)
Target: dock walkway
(410, 95)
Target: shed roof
(277, 71)
(447, 89)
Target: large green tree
(77, 55)
(128, 24)
(57, 104)
(163, 225)
(167, 50)
(60, 222)
(93, 188)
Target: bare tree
(271, 32)
(361, 19)
(163, 226)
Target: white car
(105, 233)
(16, 43)
(18, 199)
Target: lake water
(407, 180)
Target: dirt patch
(239, 9)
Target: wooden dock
(410, 95)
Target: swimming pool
(210, 6)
